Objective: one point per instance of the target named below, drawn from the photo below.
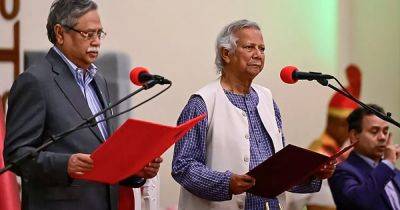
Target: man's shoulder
(346, 165)
(211, 87)
(353, 164)
(41, 65)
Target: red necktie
(126, 199)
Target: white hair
(227, 40)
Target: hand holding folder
(131, 147)
(289, 167)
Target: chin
(253, 71)
(91, 60)
(378, 155)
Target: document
(289, 167)
(131, 147)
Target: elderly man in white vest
(242, 129)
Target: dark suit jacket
(356, 185)
(46, 100)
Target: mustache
(255, 64)
(93, 49)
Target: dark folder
(131, 147)
(289, 167)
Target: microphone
(140, 75)
(291, 75)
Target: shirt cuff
(388, 163)
(227, 180)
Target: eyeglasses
(90, 35)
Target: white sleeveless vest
(228, 146)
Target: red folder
(131, 147)
(289, 167)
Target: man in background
(368, 179)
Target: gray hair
(66, 13)
(227, 40)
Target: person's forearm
(204, 183)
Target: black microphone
(291, 74)
(140, 75)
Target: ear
(225, 55)
(353, 136)
(58, 30)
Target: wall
(376, 48)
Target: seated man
(368, 178)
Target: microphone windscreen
(287, 74)
(135, 75)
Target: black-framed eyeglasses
(90, 35)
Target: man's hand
(151, 169)
(240, 183)
(392, 151)
(326, 170)
(79, 163)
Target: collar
(370, 162)
(91, 71)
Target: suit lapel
(360, 163)
(101, 86)
(396, 184)
(66, 82)
(396, 180)
(366, 170)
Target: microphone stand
(90, 122)
(386, 117)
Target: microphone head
(135, 75)
(287, 74)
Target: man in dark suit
(54, 95)
(368, 179)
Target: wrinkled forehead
(252, 35)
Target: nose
(382, 136)
(257, 53)
(95, 41)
